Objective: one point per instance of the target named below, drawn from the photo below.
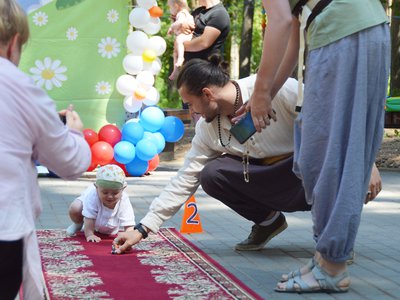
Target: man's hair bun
(217, 60)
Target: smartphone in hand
(63, 119)
(243, 129)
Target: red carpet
(164, 266)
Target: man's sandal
(310, 265)
(327, 283)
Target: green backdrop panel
(75, 53)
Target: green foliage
(257, 37)
(236, 9)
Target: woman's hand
(261, 110)
(72, 118)
(260, 106)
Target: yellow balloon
(149, 55)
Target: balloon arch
(137, 145)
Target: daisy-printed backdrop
(75, 53)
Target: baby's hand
(93, 238)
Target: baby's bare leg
(175, 71)
(180, 48)
(75, 211)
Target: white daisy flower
(40, 18)
(103, 88)
(109, 47)
(72, 33)
(49, 73)
(112, 16)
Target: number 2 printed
(191, 219)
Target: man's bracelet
(139, 227)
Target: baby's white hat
(110, 176)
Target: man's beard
(209, 119)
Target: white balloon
(145, 79)
(152, 97)
(137, 41)
(126, 84)
(154, 67)
(132, 105)
(153, 26)
(147, 4)
(157, 44)
(133, 64)
(139, 17)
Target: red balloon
(110, 134)
(153, 163)
(90, 136)
(102, 153)
(92, 166)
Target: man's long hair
(199, 73)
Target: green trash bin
(392, 115)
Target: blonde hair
(13, 21)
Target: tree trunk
(246, 40)
(395, 66)
(234, 59)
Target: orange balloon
(153, 163)
(156, 12)
(140, 93)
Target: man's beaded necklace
(235, 108)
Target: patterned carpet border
(208, 265)
(164, 266)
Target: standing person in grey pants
(340, 127)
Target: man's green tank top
(342, 18)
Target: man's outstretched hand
(125, 240)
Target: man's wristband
(139, 227)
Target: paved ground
(375, 273)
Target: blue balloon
(172, 129)
(146, 149)
(132, 132)
(157, 138)
(152, 118)
(137, 167)
(124, 152)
